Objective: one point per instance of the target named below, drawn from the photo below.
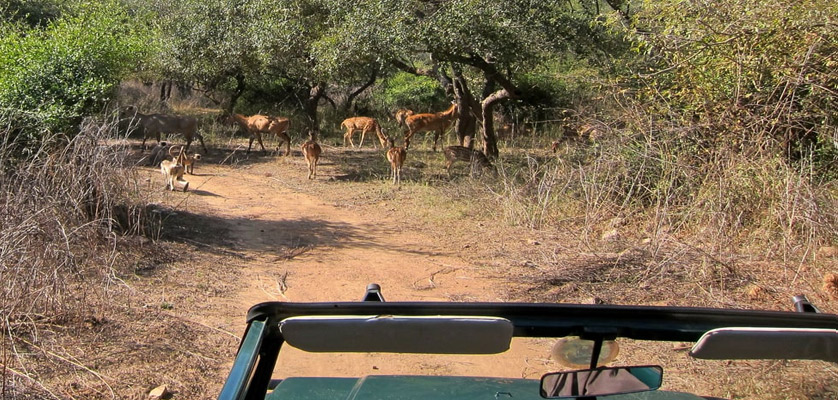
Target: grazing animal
(363, 124)
(402, 114)
(153, 125)
(475, 158)
(173, 171)
(311, 151)
(256, 125)
(396, 156)
(436, 122)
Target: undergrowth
(63, 213)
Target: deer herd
(174, 161)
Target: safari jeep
(577, 335)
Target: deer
(475, 158)
(311, 151)
(396, 157)
(256, 125)
(429, 122)
(154, 125)
(402, 114)
(363, 124)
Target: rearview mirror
(601, 382)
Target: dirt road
(254, 229)
(295, 246)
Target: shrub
(404, 90)
(51, 77)
(64, 210)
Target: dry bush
(63, 210)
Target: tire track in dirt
(327, 253)
(297, 247)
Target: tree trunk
(360, 90)
(468, 109)
(165, 91)
(240, 87)
(314, 96)
(490, 144)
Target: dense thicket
(59, 61)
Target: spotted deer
(311, 152)
(402, 114)
(256, 125)
(429, 122)
(396, 157)
(363, 124)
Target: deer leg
(201, 140)
(259, 138)
(436, 138)
(249, 145)
(407, 136)
(348, 134)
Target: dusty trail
(298, 247)
(325, 253)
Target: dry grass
(65, 209)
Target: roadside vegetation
(710, 126)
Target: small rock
(158, 392)
(757, 293)
(593, 300)
(617, 221)
(533, 242)
(610, 236)
(466, 246)
(530, 264)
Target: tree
(757, 70)
(479, 43)
(53, 75)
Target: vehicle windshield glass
(531, 358)
(526, 358)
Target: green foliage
(755, 69)
(51, 77)
(32, 12)
(404, 90)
